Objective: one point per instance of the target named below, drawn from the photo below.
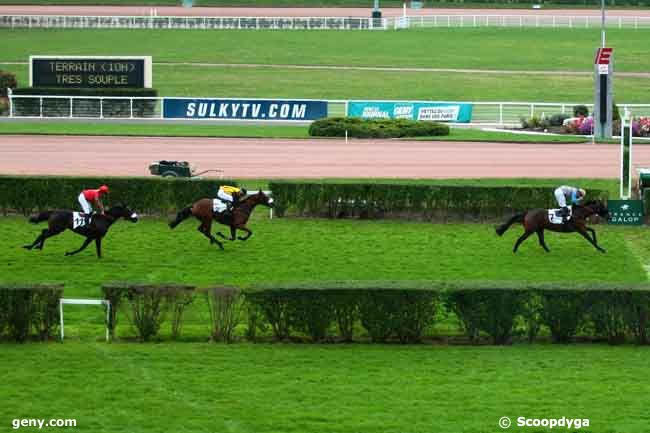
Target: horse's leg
(593, 233)
(521, 239)
(205, 229)
(233, 233)
(83, 247)
(247, 230)
(540, 236)
(98, 247)
(583, 233)
(38, 240)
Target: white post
(61, 317)
(404, 10)
(41, 105)
(108, 318)
(101, 108)
(346, 136)
(11, 102)
(131, 101)
(71, 102)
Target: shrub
(611, 312)
(274, 305)
(558, 119)
(402, 313)
(491, 310)
(179, 298)
(114, 293)
(563, 312)
(375, 128)
(580, 111)
(224, 304)
(149, 306)
(311, 311)
(535, 122)
(27, 307)
(7, 81)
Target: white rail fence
(316, 23)
(192, 22)
(533, 20)
(94, 107)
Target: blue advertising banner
(243, 109)
(435, 111)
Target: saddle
(80, 219)
(555, 215)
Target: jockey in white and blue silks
(569, 194)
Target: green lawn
(254, 131)
(475, 48)
(479, 48)
(246, 388)
(311, 250)
(353, 84)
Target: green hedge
(154, 195)
(375, 128)
(29, 311)
(405, 313)
(85, 107)
(428, 202)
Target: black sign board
(90, 72)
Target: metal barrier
(191, 22)
(108, 107)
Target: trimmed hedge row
(152, 195)
(428, 202)
(29, 311)
(498, 311)
(501, 312)
(375, 128)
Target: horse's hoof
(27, 247)
(602, 251)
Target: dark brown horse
(536, 221)
(60, 220)
(235, 219)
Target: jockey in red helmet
(89, 197)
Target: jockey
(89, 197)
(230, 195)
(571, 194)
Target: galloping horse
(60, 220)
(236, 219)
(536, 221)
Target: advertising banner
(625, 212)
(243, 109)
(434, 111)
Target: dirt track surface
(265, 158)
(294, 12)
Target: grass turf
(326, 388)
(254, 131)
(475, 48)
(294, 250)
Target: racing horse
(60, 220)
(235, 219)
(537, 220)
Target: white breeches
(87, 208)
(224, 196)
(559, 196)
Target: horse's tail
(516, 218)
(42, 216)
(181, 216)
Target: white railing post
(41, 106)
(501, 113)
(162, 108)
(71, 102)
(11, 102)
(532, 110)
(131, 103)
(101, 108)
